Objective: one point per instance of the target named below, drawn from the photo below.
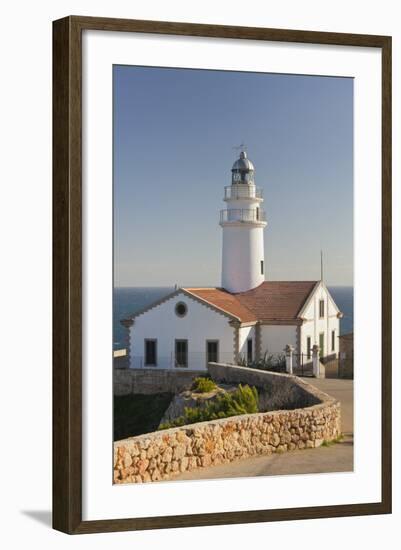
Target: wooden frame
(67, 274)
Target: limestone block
(167, 455)
(127, 460)
(179, 451)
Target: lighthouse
(243, 222)
(249, 317)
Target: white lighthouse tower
(243, 222)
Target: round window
(181, 309)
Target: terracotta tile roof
(224, 300)
(270, 301)
(277, 300)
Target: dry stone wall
(162, 455)
(276, 390)
(148, 381)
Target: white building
(248, 317)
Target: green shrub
(244, 400)
(203, 385)
(269, 362)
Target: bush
(244, 400)
(203, 385)
(269, 362)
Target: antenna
(240, 147)
(321, 265)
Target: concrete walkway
(336, 458)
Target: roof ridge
(293, 281)
(200, 288)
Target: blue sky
(174, 133)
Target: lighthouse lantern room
(243, 222)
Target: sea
(129, 300)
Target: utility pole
(321, 265)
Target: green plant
(330, 442)
(269, 362)
(244, 400)
(203, 385)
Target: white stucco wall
(197, 326)
(243, 251)
(274, 338)
(313, 326)
(246, 333)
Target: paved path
(336, 458)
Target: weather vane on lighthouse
(240, 147)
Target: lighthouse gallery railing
(242, 215)
(242, 191)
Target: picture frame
(67, 274)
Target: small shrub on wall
(203, 385)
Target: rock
(230, 454)
(179, 451)
(156, 476)
(145, 443)
(146, 477)
(183, 438)
(184, 464)
(133, 450)
(199, 448)
(127, 460)
(167, 455)
(275, 440)
(152, 451)
(188, 450)
(206, 461)
(121, 452)
(286, 437)
(143, 466)
(191, 399)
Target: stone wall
(276, 390)
(148, 381)
(346, 363)
(162, 455)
